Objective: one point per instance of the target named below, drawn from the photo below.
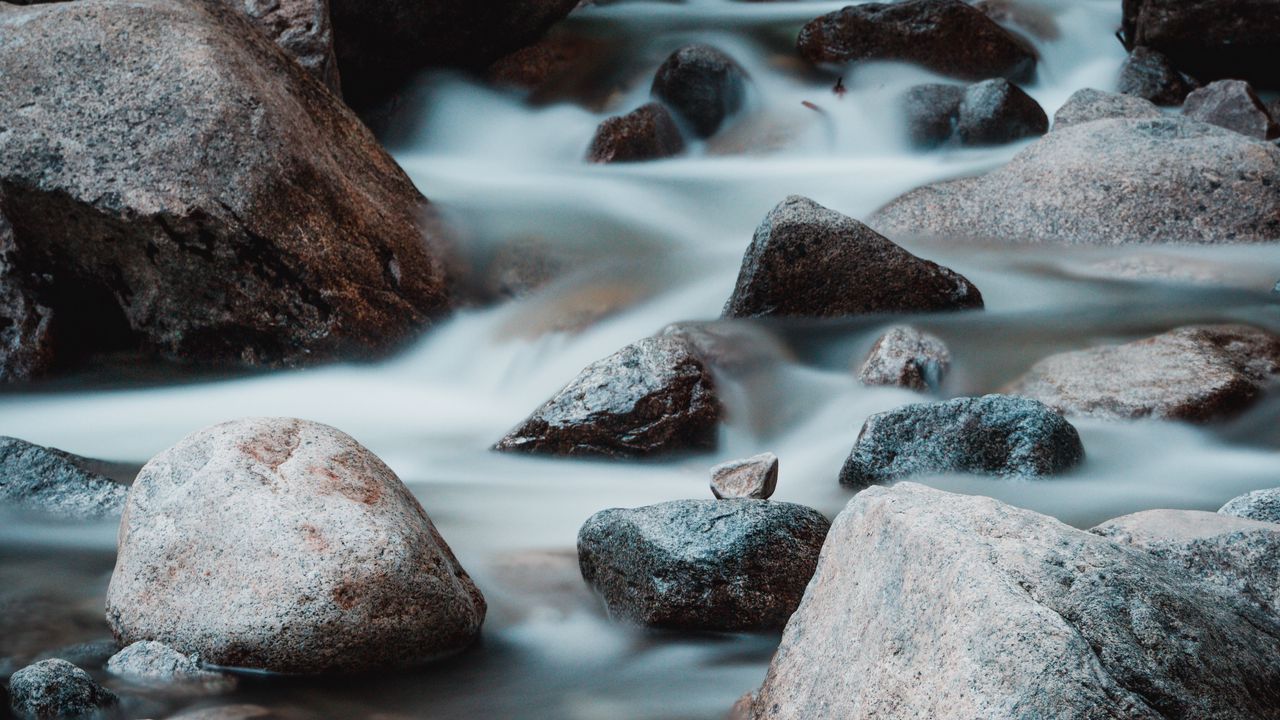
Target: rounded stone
(702, 85)
(57, 689)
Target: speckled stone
(1263, 505)
(1234, 105)
(996, 111)
(153, 662)
(906, 357)
(1087, 105)
(646, 133)
(702, 85)
(55, 483)
(57, 690)
(755, 477)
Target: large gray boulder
(1210, 39)
(930, 604)
(285, 545)
(1113, 181)
(1263, 505)
(57, 690)
(646, 133)
(54, 483)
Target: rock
(153, 662)
(702, 85)
(996, 111)
(988, 435)
(705, 565)
(56, 689)
(927, 604)
(809, 261)
(945, 36)
(1195, 373)
(545, 61)
(1261, 505)
(1088, 105)
(302, 29)
(1231, 104)
(284, 545)
(241, 216)
(905, 357)
(755, 477)
(653, 397)
(1210, 39)
(26, 337)
(1112, 182)
(51, 482)
(1036, 19)
(1240, 556)
(932, 111)
(646, 133)
(1149, 75)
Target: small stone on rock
(755, 477)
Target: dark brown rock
(302, 29)
(932, 111)
(809, 261)
(646, 133)
(1149, 75)
(996, 111)
(1088, 105)
(1232, 104)
(1210, 39)
(702, 85)
(946, 36)
(550, 58)
(905, 357)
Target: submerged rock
(302, 29)
(53, 689)
(932, 111)
(810, 261)
(1261, 505)
(702, 85)
(154, 662)
(1196, 373)
(906, 357)
(1210, 39)
(996, 111)
(1149, 75)
(653, 397)
(723, 565)
(1088, 105)
(646, 133)
(1231, 104)
(285, 545)
(989, 435)
(755, 477)
(55, 483)
(930, 604)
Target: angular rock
(285, 545)
(1232, 104)
(241, 216)
(988, 435)
(702, 85)
(946, 36)
(26, 326)
(302, 29)
(708, 565)
(646, 133)
(1261, 505)
(1087, 105)
(810, 261)
(1210, 39)
(51, 482)
(906, 357)
(934, 605)
(996, 111)
(56, 689)
(1149, 75)
(755, 478)
(932, 111)
(1110, 182)
(652, 397)
(149, 661)
(1195, 373)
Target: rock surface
(946, 36)
(755, 478)
(1088, 105)
(56, 689)
(646, 133)
(1210, 39)
(26, 337)
(702, 85)
(928, 604)
(51, 482)
(932, 111)
(996, 111)
(906, 357)
(1231, 104)
(155, 662)
(1149, 75)
(652, 397)
(1111, 182)
(184, 189)
(810, 261)
(988, 435)
(721, 565)
(285, 545)
(302, 29)
(1195, 373)
(1261, 505)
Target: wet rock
(153, 662)
(56, 689)
(1112, 182)
(302, 29)
(1210, 39)
(906, 357)
(1231, 104)
(930, 604)
(989, 435)
(755, 477)
(932, 111)
(1261, 505)
(55, 483)
(646, 133)
(242, 216)
(946, 36)
(1149, 75)
(543, 62)
(996, 111)
(702, 85)
(1036, 19)
(653, 397)
(721, 565)
(285, 545)
(26, 326)
(810, 261)
(1195, 373)
(1088, 105)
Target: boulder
(284, 545)
(988, 435)
(50, 482)
(706, 565)
(302, 29)
(646, 133)
(755, 477)
(26, 337)
(1087, 105)
(57, 690)
(180, 187)
(996, 111)
(810, 261)
(945, 36)
(934, 605)
(1262, 505)
(1195, 373)
(1232, 104)
(932, 111)
(149, 661)
(653, 397)
(1210, 39)
(702, 85)
(906, 357)
(1149, 75)
(1114, 181)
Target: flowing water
(656, 243)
